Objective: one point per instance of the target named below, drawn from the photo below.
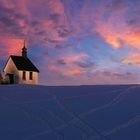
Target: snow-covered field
(70, 113)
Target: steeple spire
(24, 50)
(24, 43)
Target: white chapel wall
(28, 81)
(11, 69)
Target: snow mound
(69, 112)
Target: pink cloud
(133, 58)
(11, 46)
(72, 58)
(66, 71)
(68, 67)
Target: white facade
(10, 68)
(27, 80)
(18, 78)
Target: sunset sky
(74, 42)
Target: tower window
(31, 76)
(24, 75)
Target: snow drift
(70, 112)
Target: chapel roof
(23, 63)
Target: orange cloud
(115, 30)
(110, 34)
(133, 58)
(131, 38)
(74, 71)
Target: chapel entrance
(11, 78)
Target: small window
(31, 76)
(24, 75)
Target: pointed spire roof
(24, 43)
(24, 50)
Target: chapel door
(11, 78)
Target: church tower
(24, 51)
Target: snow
(69, 112)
